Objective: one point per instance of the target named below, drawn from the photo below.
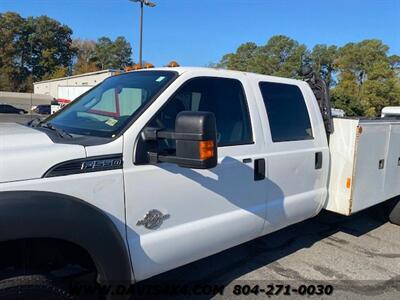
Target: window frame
(246, 106)
(311, 137)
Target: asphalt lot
(358, 255)
(7, 118)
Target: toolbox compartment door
(365, 158)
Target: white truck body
(365, 164)
(214, 209)
(71, 92)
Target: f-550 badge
(153, 219)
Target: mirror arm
(152, 134)
(155, 158)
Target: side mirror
(196, 141)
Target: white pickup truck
(154, 169)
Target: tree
(12, 64)
(280, 56)
(323, 59)
(86, 56)
(362, 77)
(51, 46)
(112, 55)
(103, 52)
(394, 61)
(367, 78)
(242, 60)
(122, 52)
(32, 49)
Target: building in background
(69, 88)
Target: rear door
(298, 155)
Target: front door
(202, 211)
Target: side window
(287, 112)
(222, 96)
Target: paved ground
(358, 255)
(4, 118)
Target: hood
(27, 153)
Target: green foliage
(367, 78)
(112, 55)
(32, 49)
(322, 59)
(121, 53)
(362, 77)
(280, 56)
(85, 59)
(103, 54)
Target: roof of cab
(181, 70)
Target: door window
(222, 96)
(287, 112)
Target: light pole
(142, 4)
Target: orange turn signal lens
(348, 182)
(206, 149)
(173, 64)
(148, 66)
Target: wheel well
(44, 255)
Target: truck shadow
(232, 264)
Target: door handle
(318, 160)
(259, 169)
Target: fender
(36, 214)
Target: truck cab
(153, 169)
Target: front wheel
(28, 287)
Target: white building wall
(51, 87)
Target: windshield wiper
(62, 133)
(34, 122)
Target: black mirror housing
(196, 141)
(202, 124)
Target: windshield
(108, 107)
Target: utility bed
(365, 164)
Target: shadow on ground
(230, 265)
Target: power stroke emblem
(153, 219)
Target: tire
(28, 287)
(394, 216)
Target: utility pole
(142, 4)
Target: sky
(199, 32)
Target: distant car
(43, 109)
(9, 109)
(392, 112)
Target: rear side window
(287, 112)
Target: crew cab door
(200, 212)
(298, 154)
